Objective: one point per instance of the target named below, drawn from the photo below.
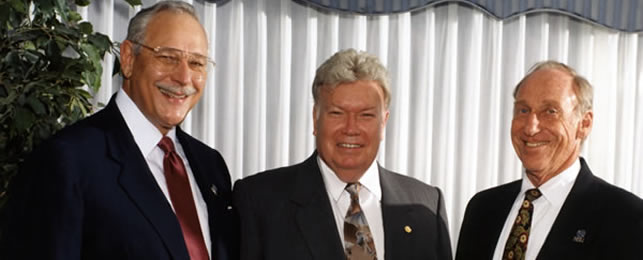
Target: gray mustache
(177, 90)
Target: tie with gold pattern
(178, 186)
(519, 236)
(358, 240)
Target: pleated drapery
(453, 69)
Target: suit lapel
(137, 181)
(396, 241)
(496, 216)
(576, 222)
(214, 185)
(211, 186)
(314, 216)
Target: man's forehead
(170, 29)
(549, 79)
(547, 102)
(554, 97)
(550, 76)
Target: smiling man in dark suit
(127, 182)
(339, 203)
(559, 210)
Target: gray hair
(138, 24)
(348, 66)
(583, 89)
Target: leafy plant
(49, 59)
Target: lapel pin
(580, 236)
(408, 229)
(213, 189)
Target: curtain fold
(623, 15)
(453, 69)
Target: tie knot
(353, 189)
(166, 145)
(532, 194)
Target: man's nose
(182, 73)
(350, 125)
(532, 126)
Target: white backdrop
(453, 70)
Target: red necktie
(178, 185)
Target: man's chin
(170, 123)
(535, 165)
(535, 169)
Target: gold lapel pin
(407, 229)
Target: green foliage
(46, 60)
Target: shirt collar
(556, 189)
(146, 135)
(334, 186)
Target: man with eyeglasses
(127, 182)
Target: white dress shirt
(546, 209)
(370, 197)
(147, 137)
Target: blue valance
(623, 15)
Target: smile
(350, 146)
(174, 91)
(172, 94)
(530, 144)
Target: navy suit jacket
(286, 215)
(87, 193)
(597, 221)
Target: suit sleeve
(251, 247)
(45, 208)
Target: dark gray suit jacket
(87, 193)
(597, 221)
(286, 214)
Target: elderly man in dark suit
(559, 210)
(127, 182)
(339, 203)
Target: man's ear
(387, 113)
(315, 117)
(585, 125)
(127, 58)
(384, 120)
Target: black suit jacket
(597, 221)
(286, 214)
(87, 193)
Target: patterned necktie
(358, 241)
(178, 186)
(519, 236)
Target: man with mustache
(559, 210)
(127, 182)
(340, 203)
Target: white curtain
(453, 69)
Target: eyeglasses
(168, 59)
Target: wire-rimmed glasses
(168, 59)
